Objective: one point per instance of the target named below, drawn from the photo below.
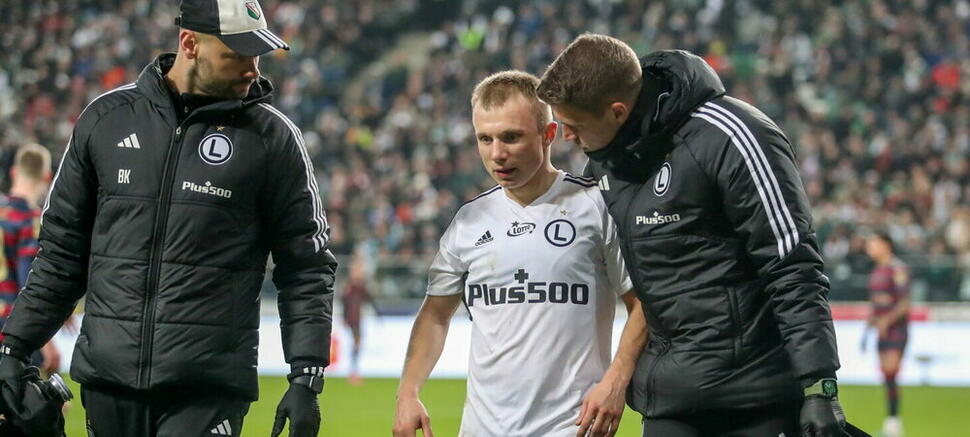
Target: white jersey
(541, 284)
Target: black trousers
(114, 412)
(772, 421)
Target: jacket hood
(152, 82)
(675, 82)
(689, 81)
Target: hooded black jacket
(165, 221)
(717, 235)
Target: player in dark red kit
(889, 295)
(354, 297)
(19, 222)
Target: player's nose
(499, 152)
(251, 67)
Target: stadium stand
(872, 94)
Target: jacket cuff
(807, 380)
(15, 348)
(305, 369)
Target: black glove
(822, 416)
(25, 400)
(41, 415)
(300, 405)
(12, 383)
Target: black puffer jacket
(718, 238)
(166, 223)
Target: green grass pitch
(368, 410)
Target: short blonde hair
(495, 90)
(32, 161)
(592, 72)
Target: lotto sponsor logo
(520, 229)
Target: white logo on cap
(252, 8)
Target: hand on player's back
(602, 409)
(410, 417)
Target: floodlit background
(873, 94)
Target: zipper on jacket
(155, 260)
(628, 241)
(652, 376)
(735, 325)
(627, 245)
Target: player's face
(876, 248)
(512, 147)
(589, 131)
(221, 72)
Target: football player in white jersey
(537, 263)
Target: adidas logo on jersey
(130, 142)
(485, 238)
(604, 184)
(222, 428)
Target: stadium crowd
(872, 94)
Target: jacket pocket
(641, 392)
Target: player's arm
(900, 310)
(26, 252)
(304, 272)
(424, 348)
(603, 406)
(446, 285)
(27, 248)
(766, 204)
(298, 232)
(426, 343)
(58, 275)
(632, 340)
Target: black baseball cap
(239, 24)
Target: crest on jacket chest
(215, 149)
(662, 179)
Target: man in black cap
(171, 194)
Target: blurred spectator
(873, 94)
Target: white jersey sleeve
(616, 271)
(446, 276)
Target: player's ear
(550, 134)
(620, 111)
(189, 43)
